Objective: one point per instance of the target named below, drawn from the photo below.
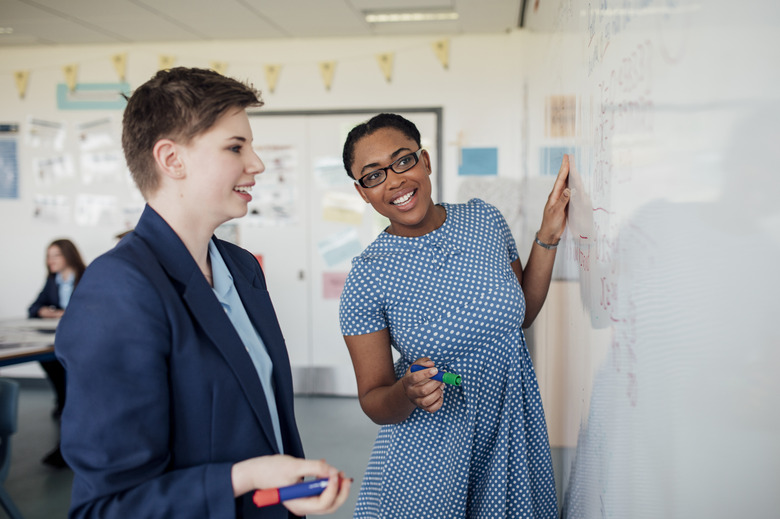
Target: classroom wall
(656, 350)
(479, 93)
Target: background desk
(26, 340)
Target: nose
(255, 165)
(394, 179)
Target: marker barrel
(273, 496)
(448, 378)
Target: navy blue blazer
(163, 397)
(49, 296)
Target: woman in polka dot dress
(443, 285)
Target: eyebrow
(392, 157)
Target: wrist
(549, 243)
(240, 477)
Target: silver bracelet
(545, 245)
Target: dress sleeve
(498, 220)
(361, 310)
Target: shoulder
(383, 246)
(474, 208)
(129, 268)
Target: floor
(42, 492)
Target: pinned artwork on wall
(92, 96)
(9, 161)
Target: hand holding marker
(441, 376)
(273, 496)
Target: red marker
(274, 496)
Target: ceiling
(80, 22)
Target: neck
(191, 229)
(434, 218)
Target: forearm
(536, 280)
(387, 404)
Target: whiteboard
(658, 348)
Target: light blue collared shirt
(228, 297)
(64, 289)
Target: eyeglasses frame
(416, 155)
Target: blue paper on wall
(550, 158)
(478, 161)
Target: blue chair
(9, 413)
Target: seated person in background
(65, 267)
(180, 398)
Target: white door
(307, 256)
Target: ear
(166, 156)
(427, 161)
(361, 192)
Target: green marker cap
(451, 378)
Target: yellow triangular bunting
(219, 66)
(327, 68)
(71, 72)
(165, 62)
(442, 50)
(386, 64)
(21, 77)
(272, 76)
(120, 64)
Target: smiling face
(404, 198)
(219, 167)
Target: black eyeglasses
(401, 165)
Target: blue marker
(441, 376)
(273, 496)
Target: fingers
(561, 179)
(334, 495)
(316, 468)
(421, 389)
(433, 401)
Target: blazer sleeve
(115, 341)
(49, 296)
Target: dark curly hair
(367, 128)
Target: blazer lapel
(208, 313)
(251, 286)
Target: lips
(403, 199)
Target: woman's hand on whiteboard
(556, 209)
(421, 390)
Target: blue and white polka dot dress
(451, 295)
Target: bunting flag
(327, 68)
(165, 62)
(272, 76)
(21, 77)
(219, 67)
(386, 64)
(71, 72)
(442, 50)
(120, 64)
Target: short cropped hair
(369, 127)
(178, 104)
